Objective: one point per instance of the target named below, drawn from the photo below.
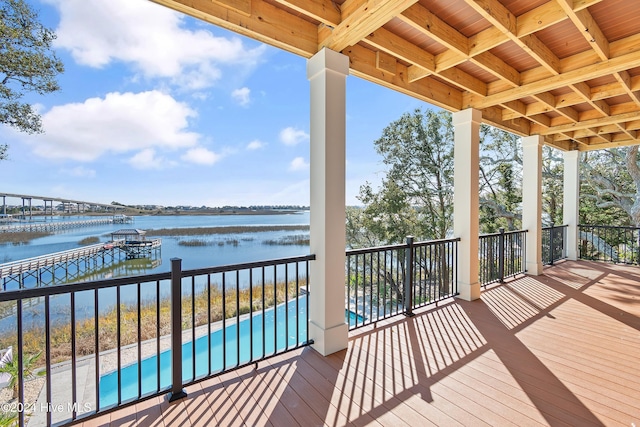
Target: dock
(53, 226)
(65, 266)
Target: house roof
(129, 232)
(565, 69)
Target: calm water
(222, 251)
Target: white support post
(571, 202)
(327, 71)
(466, 199)
(532, 201)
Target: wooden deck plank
(554, 350)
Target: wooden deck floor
(562, 349)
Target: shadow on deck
(559, 349)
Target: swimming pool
(255, 340)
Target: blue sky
(160, 108)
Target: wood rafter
(506, 64)
(360, 18)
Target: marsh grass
(237, 303)
(294, 240)
(89, 240)
(195, 242)
(238, 229)
(22, 237)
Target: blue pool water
(266, 341)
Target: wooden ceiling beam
(624, 78)
(588, 27)
(541, 17)
(494, 12)
(359, 19)
(325, 11)
(265, 23)
(401, 49)
(423, 63)
(363, 64)
(496, 66)
(592, 71)
(597, 122)
(421, 19)
(506, 22)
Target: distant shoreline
(194, 212)
(231, 229)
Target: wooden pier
(62, 267)
(62, 225)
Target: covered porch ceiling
(565, 69)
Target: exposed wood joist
(265, 23)
(360, 18)
(580, 97)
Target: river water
(222, 249)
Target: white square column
(327, 71)
(532, 201)
(466, 199)
(571, 201)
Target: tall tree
(610, 187)
(552, 185)
(27, 64)
(500, 180)
(415, 197)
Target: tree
(416, 194)
(13, 369)
(500, 180)
(552, 185)
(610, 187)
(27, 64)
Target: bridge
(48, 203)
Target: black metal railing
(385, 281)
(114, 342)
(502, 255)
(609, 243)
(553, 243)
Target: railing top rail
(80, 286)
(505, 233)
(399, 246)
(624, 227)
(100, 284)
(555, 226)
(247, 265)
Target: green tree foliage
(27, 64)
(500, 180)
(13, 369)
(416, 194)
(552, 185)
(610, 187)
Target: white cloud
(256, 145)
(242, 96)
(298, 164)
(147, 159)
(152, 38)
(80, 172)
(117, 123)
(201, 156)
(293, 136)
